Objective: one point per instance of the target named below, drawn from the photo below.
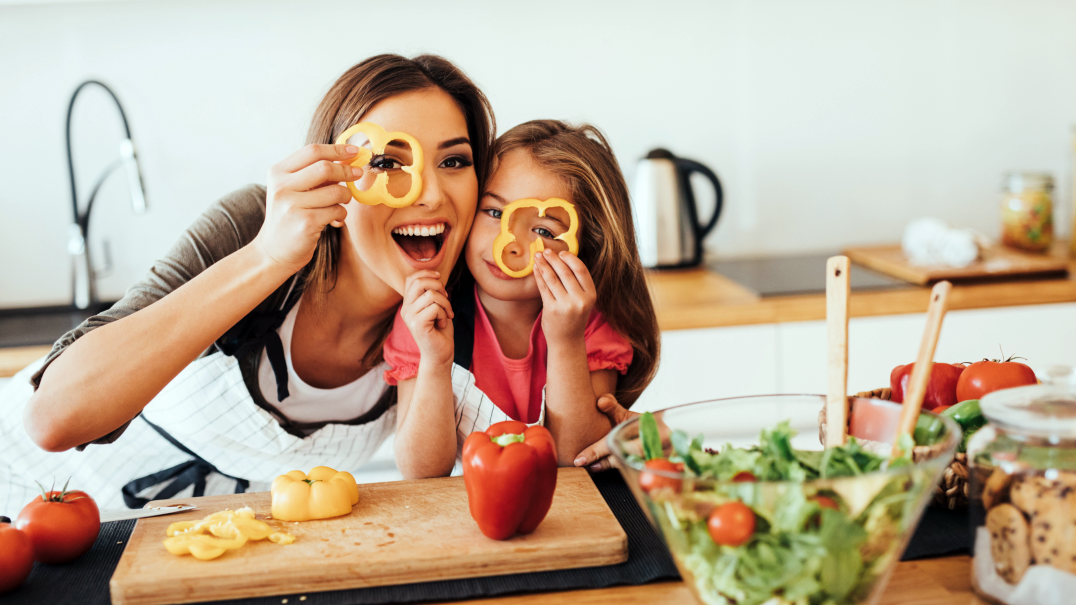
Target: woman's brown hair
(584, 159)
(353, 94)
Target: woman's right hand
(428, 315)
(305, 194)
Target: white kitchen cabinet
(1044, 334)
(711, 363)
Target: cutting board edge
(127, 594)
(923, 276)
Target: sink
(41, 325)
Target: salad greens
(825, 532)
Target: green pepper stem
(505, 439)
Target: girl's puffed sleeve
(401, 353)
(606, 348)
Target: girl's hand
(428, 315)
(303, 195)
(568, 294)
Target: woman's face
(445, 209)
(517, 177)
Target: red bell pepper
(511, 473)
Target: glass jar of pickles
(1027, 211)
(1023, 495)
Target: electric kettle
(666, 217)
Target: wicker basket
(952, 491)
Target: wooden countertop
(944, 581)
(697, 298)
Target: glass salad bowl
(755, 511)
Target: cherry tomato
(984, 377)
(650, 481)
(731, 524)
(826, 502)
(941, 408)
(744, 477)
(941, 388)
(16, 557)
(62, 525)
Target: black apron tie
(192, 472)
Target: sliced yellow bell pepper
(322, 494)
(227, 530)
(506, 236)
(378, 193)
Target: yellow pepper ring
(506, 236)
(379, 192)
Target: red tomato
(984, 377)
(744, 477)
(941, 408)
(62, 525)
(731, 524)
(826, 502)
(650, 481)
(941, 388)
(16, 557)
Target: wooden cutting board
(996, 261)
(399, 533)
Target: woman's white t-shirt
(306, 403)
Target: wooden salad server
(837, 291)
(917, 383)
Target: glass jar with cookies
(1023, 496)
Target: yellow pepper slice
(378, 193)
(227, 530)
(322, 494)
(506, 236)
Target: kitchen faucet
(83, 273)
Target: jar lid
(1017, 181)
(1046, 410)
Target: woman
(254, 347)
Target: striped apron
(203, 433)
(474, 411)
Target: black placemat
(941, 532)
(86, 580)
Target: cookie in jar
(1023, 496)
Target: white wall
(830, 122)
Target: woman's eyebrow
(454, 142)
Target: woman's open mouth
(422, 243)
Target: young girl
(542, 347)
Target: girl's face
(517, 176)
(440, 218)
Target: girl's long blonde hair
(584, 159)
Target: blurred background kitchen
(830, 124)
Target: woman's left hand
(596, 456)
(568, 294)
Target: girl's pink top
(514, 385)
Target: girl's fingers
(432, 315)
(565, 273)
(423, 281)
(582, 274)
(310, 154)
(543, 288)
(550, 276)
(436, 298)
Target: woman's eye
(543, 232)
(456, 162)
(384, 163)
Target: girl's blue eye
(543, 232)
(493, 212)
